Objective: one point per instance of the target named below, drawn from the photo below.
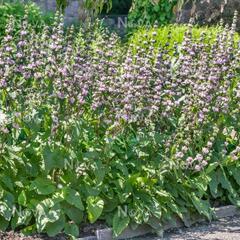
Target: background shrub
(18, 9)
(148, 12)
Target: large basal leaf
(47, 212)
(3, 224)
(71, 229)
(23, 217)
(53, 229)
(202, 206)
(29, 230)
(53, 159)
(225, 182)
(176, 209)
(94, 208)
(43, 186)
(73, 198)
(156, 224)
(6, 210)
(120, 222)
(7, 206)
(74, 214)
(236, 174)
(155, 208)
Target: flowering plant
(89, 125)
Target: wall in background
(209, 11)
(73, 13)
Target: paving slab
(223, 229)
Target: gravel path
(224, 229)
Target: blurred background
(127, 15)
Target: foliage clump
(88, 127)
(20, 10)
(147, 12)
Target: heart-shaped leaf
(94, 208)
(120, 222)
(73, 198)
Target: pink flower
(205, 150)
(16, 126)
(198, 168)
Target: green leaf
(53, 159)
(99, 171)
(162, 18)
(155, 208)
(211, 167)
(23, 217)
(43, 186)
(156, 225)
(156, 8)
(120, 222)
(236, 174)
(7, 181)
(176, 209)
(201, 184)
(73, 198)
(47, 212)
(55, 228)
(71, 229)
(234, 200)
(225, 182)
(49, 159)
(94, 208)
(5, 211)
(6, 206)
(213, 185)
(74, 214)
(22, 198)
(3, 224)
(29, 230)
(202, 206)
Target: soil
(86, 230)
(19, 236)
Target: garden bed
(127, 135)
(106, 234)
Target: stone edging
(106, 234)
